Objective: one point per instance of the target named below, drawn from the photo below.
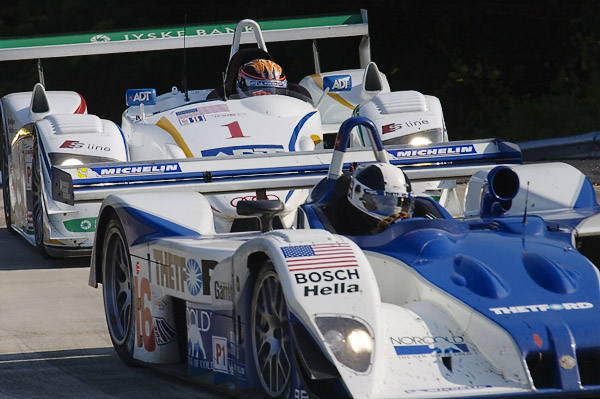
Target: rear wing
(296, 170)
(205, 35)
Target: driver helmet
(260, 77)
(381, 190)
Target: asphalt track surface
(54, 341)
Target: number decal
(234, 130)
(145, 327)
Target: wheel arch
(106, 213)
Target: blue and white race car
(501, 301)
(43, 132)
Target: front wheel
(270, 333)
(118, 290)
(37, 203)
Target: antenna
(526, 199)
(41, 72)
(185, 84)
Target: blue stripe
(294, 138)
(413, 350)
(141, 227)
(124, 142)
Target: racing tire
(269, 326)
(37, 203)
(118, 290)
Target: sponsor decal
(392, 127)
(170, 270)
(426, 349)
(319, 256)
(169, 34)
(220, 354)
(71, 144)
(338, 281)
(100, 39)
(224, 354)
(84, 225)
(178, 273)
(445, 150)
(163, 332)
(427, 345)
(243, 150)
(542, 308)
(337, 83)
(140, 96)
(198, 324)
(137, 169)
(223, 291)
(194, 276)
(191, 119)
(313, 266)
(74, 144)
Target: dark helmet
(260, 75)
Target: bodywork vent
(400, 102)
(588, 361)
(542, 369)
(75, 124)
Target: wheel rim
(117, 286)
(270, 338)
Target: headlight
(349, 340)
(417, 139)
(66, 159)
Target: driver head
(380, 190)
(259, 77)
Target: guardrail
(585, 146)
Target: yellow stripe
(167, 126)
(318, 79)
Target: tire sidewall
(124, 347)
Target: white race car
(503, 301)
(44, 131)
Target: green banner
(174, 32)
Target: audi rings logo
(235, 200)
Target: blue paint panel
(587, 196)
(413, 350)
(515, 296)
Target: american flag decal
(319, 256)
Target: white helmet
(380, 190)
